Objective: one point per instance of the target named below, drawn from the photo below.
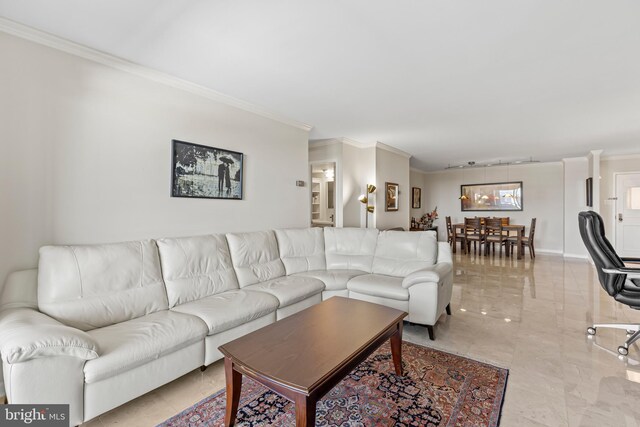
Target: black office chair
(621, 282)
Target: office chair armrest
(632, 273)
(631, 260)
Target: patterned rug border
(504, 375)
(481, 360)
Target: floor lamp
(364, 198)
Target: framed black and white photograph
(205, 172)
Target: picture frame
(416, 197)
(589, 188)
(203, 172)
(392, 191)
(494, 196)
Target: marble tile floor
(528, 316)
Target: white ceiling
(447, 81)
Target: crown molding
(317, 143)
(620, 157)
(575, 159)
(355, 143)
(64, 45)
(393, 150)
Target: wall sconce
(364, 199)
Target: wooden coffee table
(305, 355)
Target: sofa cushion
(133, 343)
(301, 249)
(92, 286)
(399, 253)
(196, 267)
(350, 248)
(290, 289)
(255, 257)
(334, 280)
(229, 309)
(379, 286)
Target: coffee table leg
(396, 349)
(234, 387)
(305, 411)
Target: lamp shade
(371, 188)
(363, 198)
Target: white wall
(86, 157)
(576, 171)
(542, 198)
(608, 167)
(392, 167)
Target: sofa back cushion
(255, 257)
(350, 248)
(399, 253)
(301, 249)
(92, 286)
(196, 267)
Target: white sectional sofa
(98, 325)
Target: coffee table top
(303, 350)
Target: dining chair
(473, 233)
(526, 240)
(503, 219)
(493, 233)
(459, 237)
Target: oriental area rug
(438, 389)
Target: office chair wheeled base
(632, 329)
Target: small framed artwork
(416, 196)
(391, 196)
(205, 172)
(590, 192)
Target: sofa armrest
(432, 274)
(27, 334)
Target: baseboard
(549, 251)
(578, 256)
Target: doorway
(323, 194)
(627, 214)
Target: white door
(628, 215)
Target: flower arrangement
(427, 219)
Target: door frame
(614, 209)
(337, 189)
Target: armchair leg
(448, 309)
(431, 334)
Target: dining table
(519, 229)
